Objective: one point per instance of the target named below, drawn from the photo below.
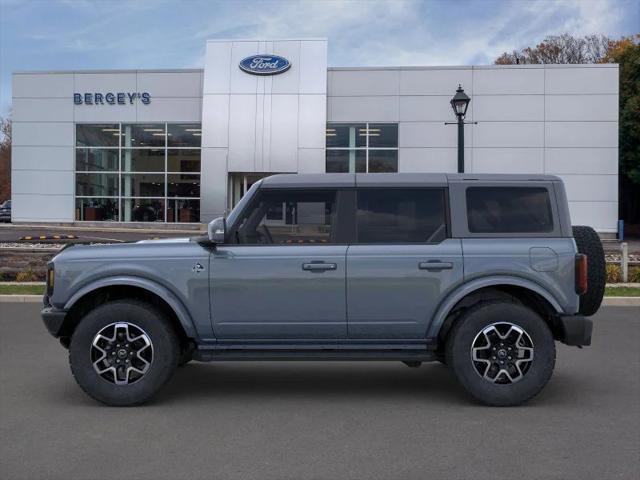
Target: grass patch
(622, 292)
(22, 289)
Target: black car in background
(5, 211)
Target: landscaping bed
(20, 266)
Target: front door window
(288, 217)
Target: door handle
(435, 265)
(319, 266)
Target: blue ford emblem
(265, 64)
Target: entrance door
(282, 274)
(402, 263)
(239, 184)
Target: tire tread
(496, 401)
(174, 350)
(588, 243)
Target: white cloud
(404, 32)
(171, 33)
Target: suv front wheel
(502, 353)
(123, 352)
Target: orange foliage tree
(600, 49)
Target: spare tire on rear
(588, 243)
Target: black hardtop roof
(326, 180)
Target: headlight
(50, 279)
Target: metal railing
(624, 261)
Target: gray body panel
(548, 263)
(375, 293)
(262, 292)
(162, 267)
(390, 296)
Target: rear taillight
(581, 274)
(50, 279)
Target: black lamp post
(460, 103)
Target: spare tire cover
(588, 243)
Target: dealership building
(182, 146)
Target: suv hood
(166, 240)
(101, 253)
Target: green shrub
(614, 273)
(28, 275)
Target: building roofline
(330, 69)
(480, 67)
(103, 71)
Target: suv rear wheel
(502, 353)
(123, 352)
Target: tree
(560, 49)
(5, 159)
(600, 49)
(626, 53)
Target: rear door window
(401, 215)
(509, 210)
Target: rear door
(402, 262)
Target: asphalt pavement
(369, 420)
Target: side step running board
(208, 355)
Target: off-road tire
(166, 352)
(460, 339)
(186, 356)
(588, 243)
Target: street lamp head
(460, 102)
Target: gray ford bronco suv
(481, 272)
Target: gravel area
(31, 246)
(617, 258)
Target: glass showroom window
(138, 172)
(362, 147)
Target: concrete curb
(621, 302)
(20, 298)
(607, 302)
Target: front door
(402, 264)
(282, 274)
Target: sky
(114, 34)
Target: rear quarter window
(509, 210)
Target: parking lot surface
(320, 420)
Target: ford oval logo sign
(265, 64)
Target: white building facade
(182, 146)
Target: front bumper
(53, 319)
(575, 330)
